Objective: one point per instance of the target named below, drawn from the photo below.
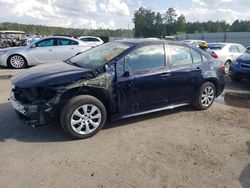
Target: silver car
(226, 53)
(46, 50)
(93, 41)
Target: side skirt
(170, 107)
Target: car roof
(63, 37)
(151, 41)
(89, 37)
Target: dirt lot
(176, 148)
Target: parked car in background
(93, 41)
(240, 69)
(226, 53)
(194, 42)
(118, 80)
(10, 38)
(46, 50)
(248, 49)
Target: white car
(93, 41)
(46, 50)
(194, 42)
(226, 53)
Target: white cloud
(64, 13)
(115, 13)
(117, 7)
(227, 10)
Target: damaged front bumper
(36, 115)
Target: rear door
(185, 74)
(66, 48)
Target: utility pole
(128, 31)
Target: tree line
(48, 30)
(154, 24)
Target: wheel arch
(20, 54)
(215, 82)
(228, 60)
(100, 94)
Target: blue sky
(115, 14)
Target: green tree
(181, 24)
(170, 16)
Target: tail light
(222, 67)
(214, 55)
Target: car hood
(50, 75)
(245, 58)
(14, 49)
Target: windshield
(96, 57)
(215, 46)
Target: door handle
(166, 75)
(50, 50)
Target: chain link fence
(230, 37)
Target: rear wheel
(205, 96)
(83, 116)
(17, 62)
(227, 67)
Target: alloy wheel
(207, 96)
(86, 119)
(17, 61)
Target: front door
(43, 52)
(142, 77)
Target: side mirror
(126, 74)
(33, 45)
(109, 68)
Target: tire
(205, 96)
(235, 79)
(227, 66)
(83, 116)
(17, 61)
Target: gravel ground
(175, 148)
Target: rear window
(216, 46)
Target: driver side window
(45, 43)
(145, 58)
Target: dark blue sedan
(240, 69)
(117, 80)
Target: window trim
(236, 47)
(57, 42)
(201, 55)
(54, 43)
(170, 56)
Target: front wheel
(83, 116)
(205, 96)
(17, 62)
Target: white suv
(93, 41)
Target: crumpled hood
(49, 75)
